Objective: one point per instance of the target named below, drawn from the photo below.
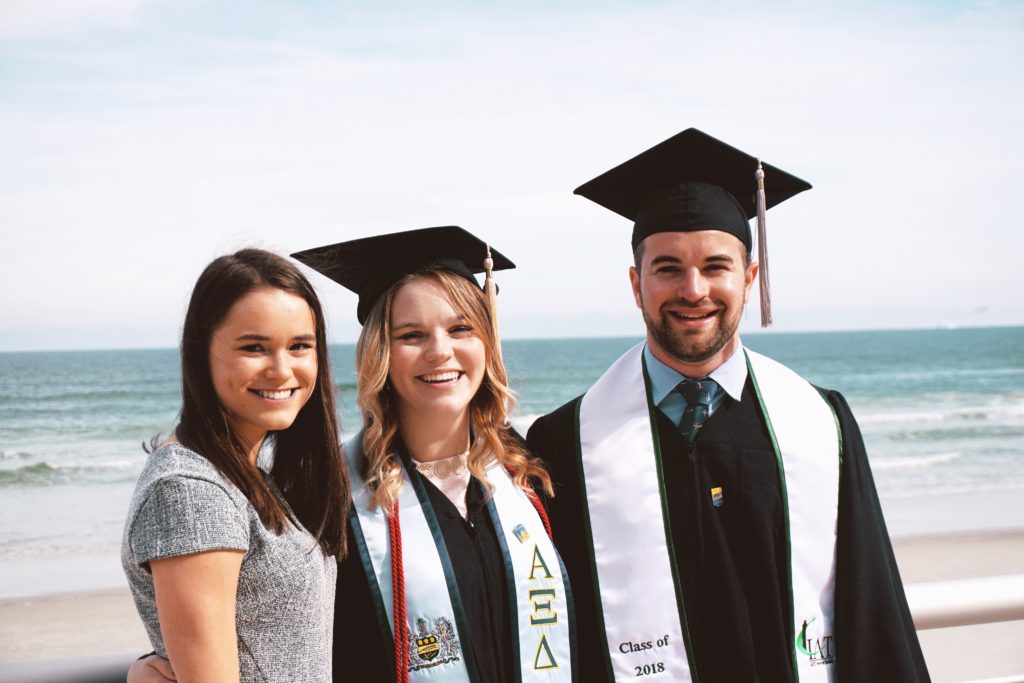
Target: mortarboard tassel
(491, 291)
(762, 251)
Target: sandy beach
(104, 622)
(64, 625)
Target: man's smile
(688, 318)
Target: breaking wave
(1011, 410)
(914, 462)
(47, 473)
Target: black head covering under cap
(690, 182)
(369, 266)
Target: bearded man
(716, 513)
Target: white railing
(938, 604)
(941, 604)
(965, 602)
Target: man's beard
(678, 344)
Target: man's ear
(634, 281)
(748, 279)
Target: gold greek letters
(542, 612)
(539, 563)
(545, 658)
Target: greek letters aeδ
(543, 612)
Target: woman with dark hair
(232, 561)
(452, 574)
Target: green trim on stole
(590, 537)
(461, 622)
(791, 603)
(510, 584)
(680, 598)
(378, 600)
(786, 394)
(570, 602)
(839, 432)
(516, 507)
(785, 508)
(514, 615)
(354, 449)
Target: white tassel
(762, 251)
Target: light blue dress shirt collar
(730, 376)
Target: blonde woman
(452, 575)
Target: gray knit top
(285, 603)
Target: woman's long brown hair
(307, 466)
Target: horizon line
(756, 332)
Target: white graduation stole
(806, 439)
(437, 623)
(642, 605)
(635, 572)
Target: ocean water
(942, 412)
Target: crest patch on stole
(521, 533)
(432, 644)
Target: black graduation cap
(689, 182)
(692, 182)
(369, 266)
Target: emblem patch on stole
(817, 648)
(716, 496)
(430, 647)
(521, 533)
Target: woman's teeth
(275, 395)
(441, 377)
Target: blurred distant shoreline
(636, 336)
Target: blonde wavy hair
(494, 438)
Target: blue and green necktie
(698, 394)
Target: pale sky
(141, 138)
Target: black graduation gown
(735, 582)
(364, 653)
